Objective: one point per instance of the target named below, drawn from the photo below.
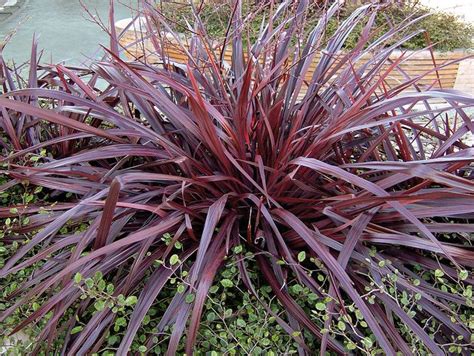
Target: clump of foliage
(355, 207)
(446, 31)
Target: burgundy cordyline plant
(251, 153)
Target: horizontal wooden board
(413, 65)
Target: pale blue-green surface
(66, 32)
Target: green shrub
(447, 31)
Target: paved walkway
(462, 8)
(5, 4)
(8, 7)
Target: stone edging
(10, 7)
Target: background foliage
(447, 31)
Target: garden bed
(238, 206)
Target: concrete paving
(8, 7)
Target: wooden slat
(414, 65)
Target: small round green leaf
(174, 259)
(320, 306)
(77, 278)
(227, 283)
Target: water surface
(66, 32)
